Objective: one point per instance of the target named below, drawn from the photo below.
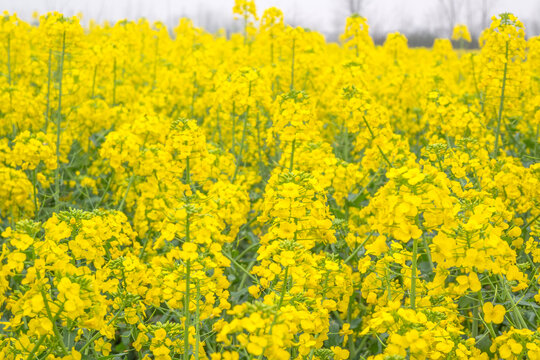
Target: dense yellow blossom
(177, 194)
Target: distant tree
(533, 24)
(485, 14)
(355, 6)
(451, 10)
(478, 15)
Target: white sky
(323, 15)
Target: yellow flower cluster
(461, 32)
(177, 194)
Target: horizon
(413, 18)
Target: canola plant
(267, 194)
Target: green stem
(413, 274)
(489, 326)
(188, 275)
(193, 96)
(53, 320)
(242, 141)
(530, 222)
(259, 144)
(34, 183)
(233, 260)
(373, 139)
(246, 273)
(536, 140)
(520, 321)
(233, 140)
(245, 27)
(292, 63)
(98, 334)
(122, 202)
(476, 317)
(292, 155)
(281, 297)
(358, 248)
(9, 58)
(478, 94)
(219, 128)
(59, 123)
(428, 254)
(346, 151)
(501, 105)
(186, 310)
(271, 49)
(105, 191)
(49, 76)
(154, 75)
(94, 82)
(197, 322)
(188, 170)
(114, 83)
(31, 355)
(357, 40)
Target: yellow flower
(494, 314)
(189, 252)
(140, 341)
(461, 32)
(160, 334)
(40, 326)
(102, 346)
(256, 345)
(345, 332)
(339, 353)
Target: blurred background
(420, 20)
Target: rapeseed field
(177, 194)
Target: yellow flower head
(461, 32)
(493, 314)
